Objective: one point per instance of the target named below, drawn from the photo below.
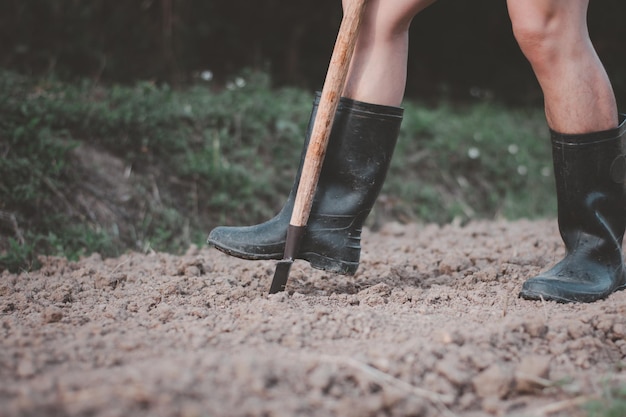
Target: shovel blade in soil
(281, 275)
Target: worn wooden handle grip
(331, 93)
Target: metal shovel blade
(281, 275)
(292, 243)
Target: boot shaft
(360, 146)
(357, 159)
(590, 175)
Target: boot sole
(582, 298)
(317, 261)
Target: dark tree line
(458, 47)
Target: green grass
(204, 155)
(611, 404)
(480, 160)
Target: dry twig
(382, 379)
(564, 405)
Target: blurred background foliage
(458, 47)
(88, 167)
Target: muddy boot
(359, 151)
(590, 172)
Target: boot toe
(243, 243)
(539, 288)
(564, 291)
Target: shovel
(331, 92)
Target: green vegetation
(611, 404)
(479, 160)
(91, 168)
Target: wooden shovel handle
(331, 93)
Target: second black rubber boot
(359, 152)
(590, 174)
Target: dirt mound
(430, 325)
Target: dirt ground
(430, 325)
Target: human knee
(535, 36)
(546, 29)
(386, 20)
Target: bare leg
(554, 37)
(378, 69)
(580, 108)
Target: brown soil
(431, 325)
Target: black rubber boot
(590, 173)
(359, 151)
